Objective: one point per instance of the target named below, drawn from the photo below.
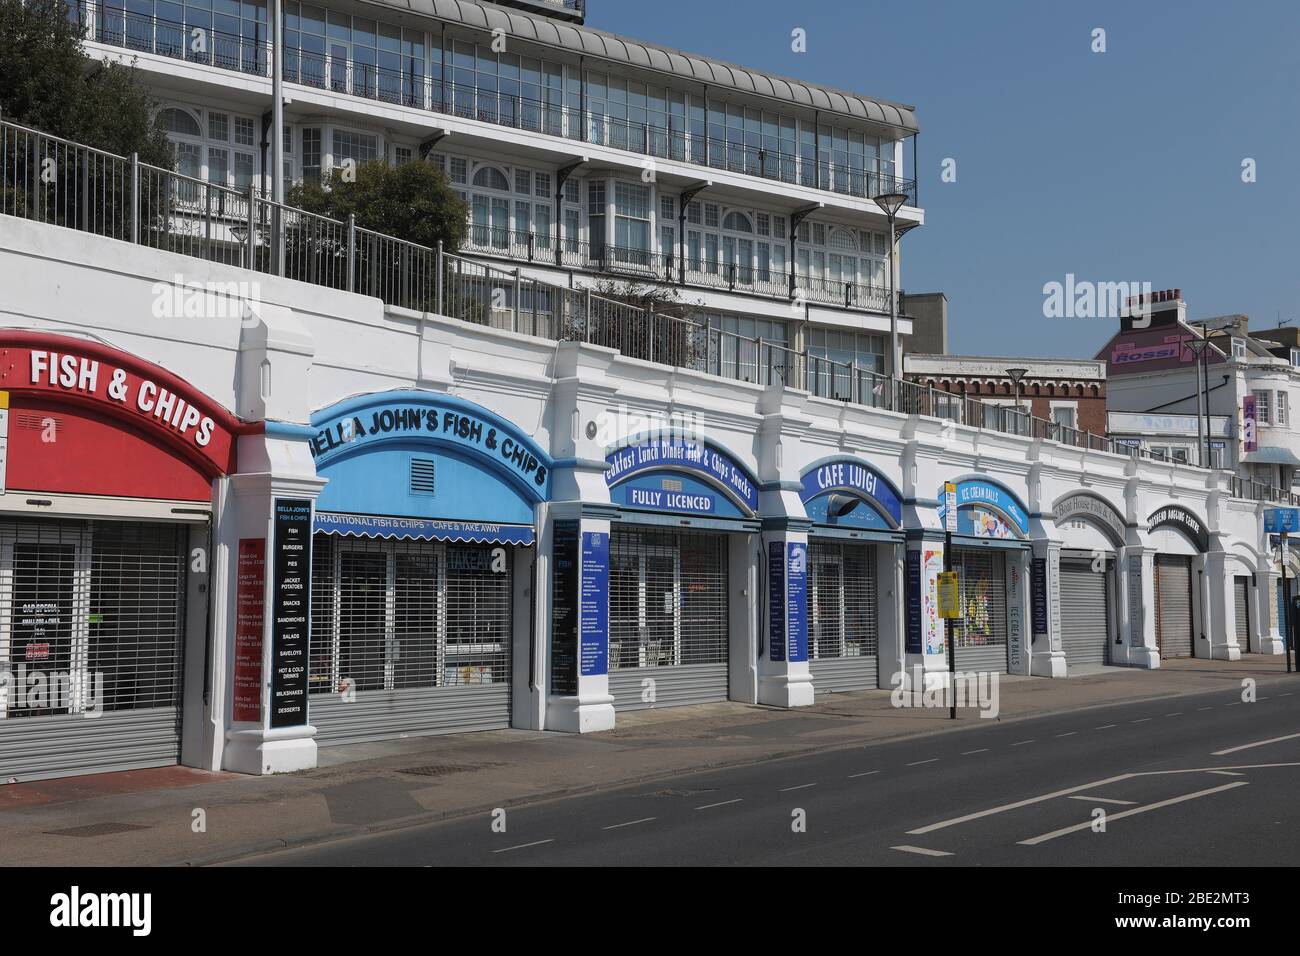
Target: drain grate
(435, 770)
(97, 829)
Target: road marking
(1092, 799)
(982, 750)
(710, 806)
(1105, 726)
(1258, 743)
(1177, 713)
(1015, 806)
(1087, 824)
(630, 823)
(921, 850)
(1287, 694)
(1141, 720)
(1070, 734)
(865, 773)
(1227, 773)
(523, 846)
(1021, 743)
(1089, 786)
(1204, 708)
(802, 786)
(919, 762)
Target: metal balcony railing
(56, 181)
(698, 272)
(550, 115)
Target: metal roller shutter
(1173, 605)
(1085, 612)
(668, 617)
(408, 638)
(1241, 601)
(92, 618)
(842, 628)
(980, 634)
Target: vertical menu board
(250, 622)
(776, 600)
(564, 608)
(289, 622)
(797, 600)
(913, 588)
(595, 604)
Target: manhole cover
(97, 829)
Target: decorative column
(1046, 655)
(1218, 623)
(784, 679)
(1135, 589)
(925, 647)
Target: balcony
(252, 56)
(638, 265)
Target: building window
(632, 217)
(1283, 409)
(1238, 349)
(311, 155)
(1261, 407)
(358, 147)
(1066, 415)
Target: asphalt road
(1022, 793)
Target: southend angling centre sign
(452, 425)
(1183, 520)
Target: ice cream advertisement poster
(931, 626)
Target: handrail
(96, 191)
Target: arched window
(181, 122)
(489, 177)
(737, 222)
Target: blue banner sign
(796, 601)
(674, 491)
(594, 604)
(670, 453)
(913, 589)
(981, 508)
(420, 529)
(832, 488)
(1282, 520)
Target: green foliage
(414, 202)
(48, 83)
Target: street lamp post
(1016, 374)
(1198, 345)
(891, 203)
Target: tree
(414, 202)
(659, 326)
(48, 83)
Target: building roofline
(587, 41)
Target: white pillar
(925, 641)
(1047, 656)
(784, 679)
(1217, 629)
(1135, 587)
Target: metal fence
(59, 182)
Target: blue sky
(1118, 166)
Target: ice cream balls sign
(80, 375)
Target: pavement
(365, 794)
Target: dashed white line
(982, 750)
(923, 851)
(1141, 720)
(630, 823)
(1227, 773)
(1021, 743)
(523, 846)
(1034, 841)
(1105, 727)
(1070, 734)
(865, 773)
(918, 763)
(710, 806)
(1177, 713)
(1204, 708)
(802, 786)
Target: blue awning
(421, 529)
(1272, 455)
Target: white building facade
(245, 516)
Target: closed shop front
(683, 504)
(1180, 539)
(1241, 603)
(1173, 605)
(856, 514)
(1092, 532)
(421, 535)
(100, 601)
(668, 616)
(989, 554)
(1087, 610)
